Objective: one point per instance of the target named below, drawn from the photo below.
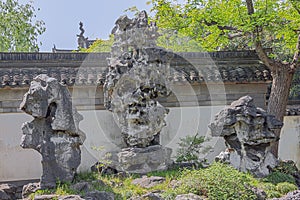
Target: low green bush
(279, 177)
(219, 181)
(270, 189)
(285, 187)
(287, 167)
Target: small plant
(270, 189)
(105, 161)
(279, 177)
(285, 187)
(171, 173)
(218, 181)
(189, 149)
(287, 167)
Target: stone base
(143, 160)
(245, 164)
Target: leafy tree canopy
(227, 25)
(100, 46)
(18, 29)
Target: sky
(62, 19)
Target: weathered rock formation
(294, 195)
(8, 191)
(148, 182)
(54, 131)
(189, 196)
(137, 75)
(248, 132)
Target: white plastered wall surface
(102, 131)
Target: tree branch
(250, 7)
(212, 23)
(263, 56)
(297, 53)
(295, 62)
(258, 46)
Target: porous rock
(81, 186)
(148, 196)
(8, 191)
(249, 134)
(54, 131)
(260, 194)
(148, 182)
(99, 195)
(4, 196)
(70, 197)
(143, 160)
(137, 76)
(189, 196)
(294, 195)
(29, 189)
(46, 197)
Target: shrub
(219, 181)
(279, 177)
(287, 167)
(189, 149)
(285, 187)
(270, 189)
(86, 176)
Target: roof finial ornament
(81, 29)
(82, 41)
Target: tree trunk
(282, 80)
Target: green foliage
(64, 189)
(219, 25)
(177, 42)
(171, 173)
(105, 160)
(295, 88)
(61, 189)
(18, 29)
(279, 177)
(86, 176)
(287, 167)
(100, 46)
(271, 190)
(285, 187)
(189, 149)
(219, 181)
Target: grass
(218, 181)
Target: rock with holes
(54, 131)
(249, 134)
(148, 196)
(148, 182)
(29, 189)
(294, 195)
(8, 191)
(142, 160)
(99, 195)
(189, 196)
(137, 75)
